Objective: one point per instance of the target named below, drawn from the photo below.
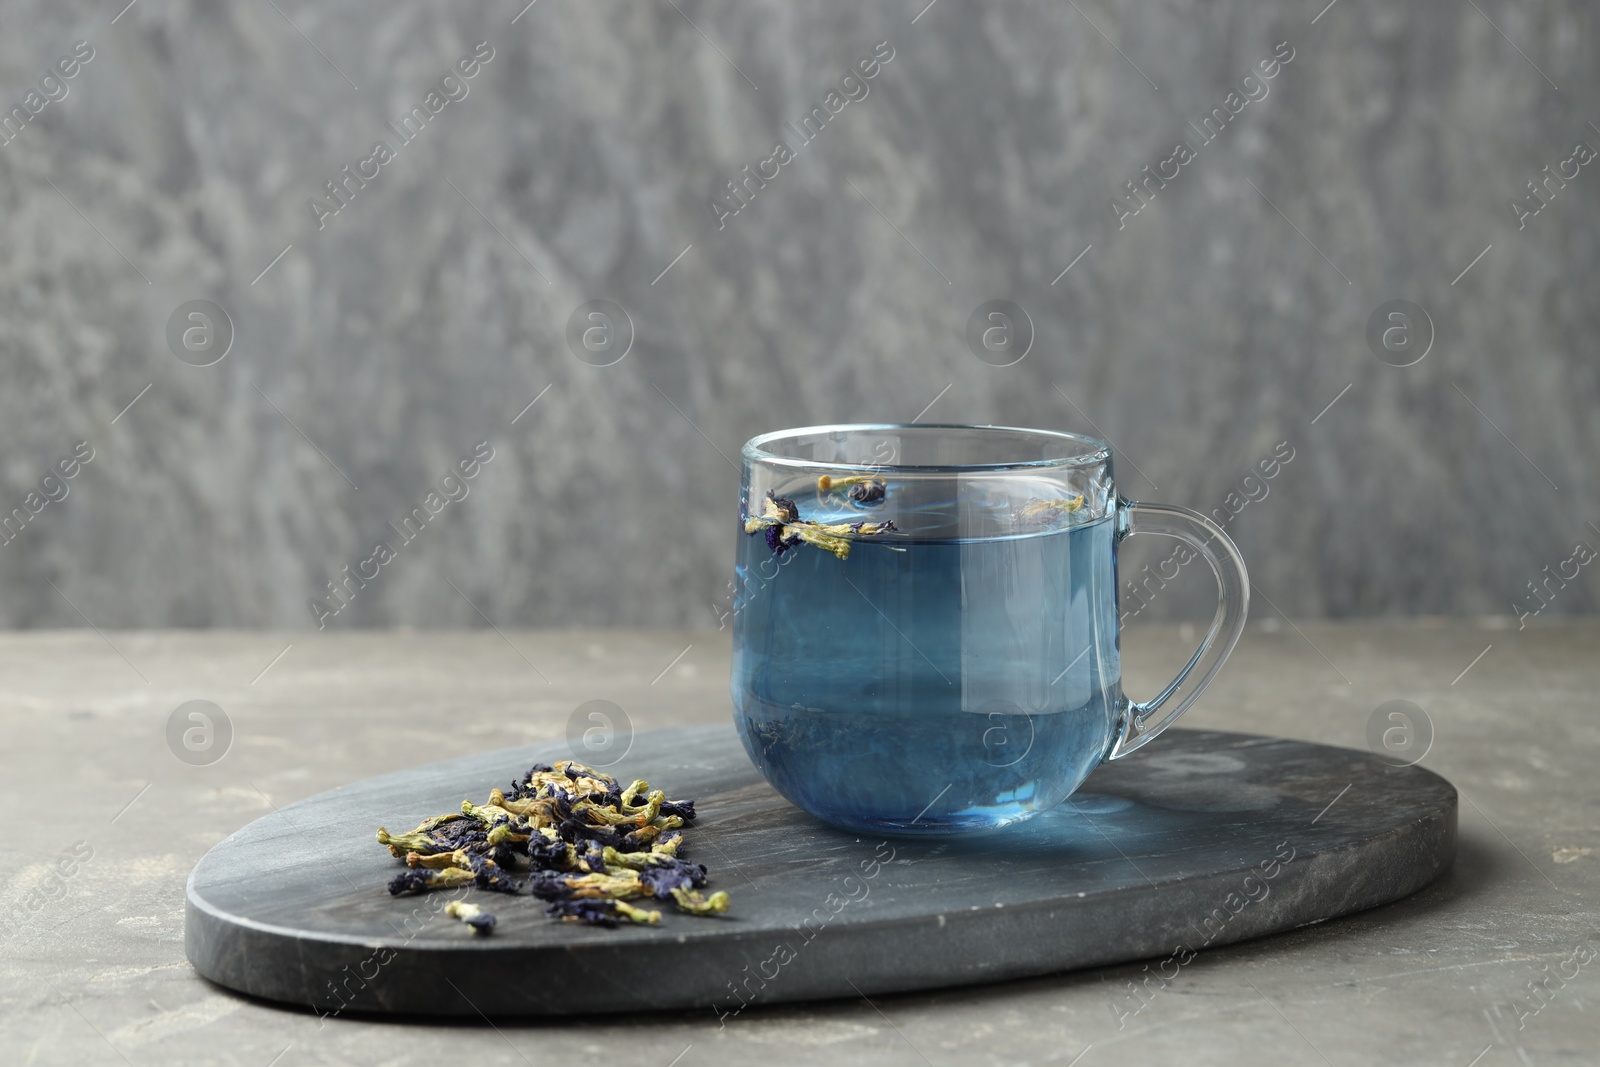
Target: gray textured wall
(422, 318)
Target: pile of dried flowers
(589, 845)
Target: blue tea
(928, 686)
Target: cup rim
(1095, 451)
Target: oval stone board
(1199, 840)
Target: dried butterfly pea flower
(480, 921)
(575, 770)
(629, 841)
(832, 537)
(566, 779)
(578, 832)
(664, 880)
(1049, 512)
(420, 880)
(546, 849)
(539, 811)
(646, 836)
(519, 784)
(870, 491)
(439, 860)
(551, 885)
(628, 799)
(781, 508)
(490, 815)
(605, 815)
(778, 541)
(683, 809)
(861, 488)
(784, 528)
(491, 876)
(638, 861)
(601, 912)
(619, 837)
(695, 904)
(509, 833)
(592, 857)
(460, 832)
(574, 777)
(442, 833)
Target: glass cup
(925, 625)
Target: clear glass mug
(925, 634)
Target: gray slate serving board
(1199, 840)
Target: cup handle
(1143, 721)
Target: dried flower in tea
(1049, 512)
(784, 528)
(860, 488)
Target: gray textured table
(105, 823)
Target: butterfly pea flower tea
(939, 650)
